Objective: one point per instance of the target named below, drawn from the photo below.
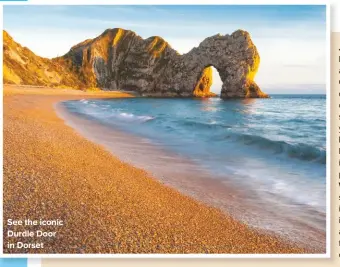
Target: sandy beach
(51, 172)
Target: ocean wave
(132, 117)
(298, 151)
(201, 125)
(303, 120)
(106, 113)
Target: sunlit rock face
(202, 88)
(22, 66)
(119, 59)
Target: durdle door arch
(236, 59)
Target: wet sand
(108, 206)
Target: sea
(262, 161)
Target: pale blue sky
(291, 39)
(13, 262)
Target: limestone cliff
(22, 66)
(119, 59)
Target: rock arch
(234, 56)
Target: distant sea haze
(272, 151)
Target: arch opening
(209, 83)
(217, 83)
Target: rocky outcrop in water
(234, 56)
(119, 59)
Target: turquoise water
(275, 147)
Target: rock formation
(22, 66)
(121, 60)
(234, 56)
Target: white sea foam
(133, 117)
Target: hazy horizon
(291, 40)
